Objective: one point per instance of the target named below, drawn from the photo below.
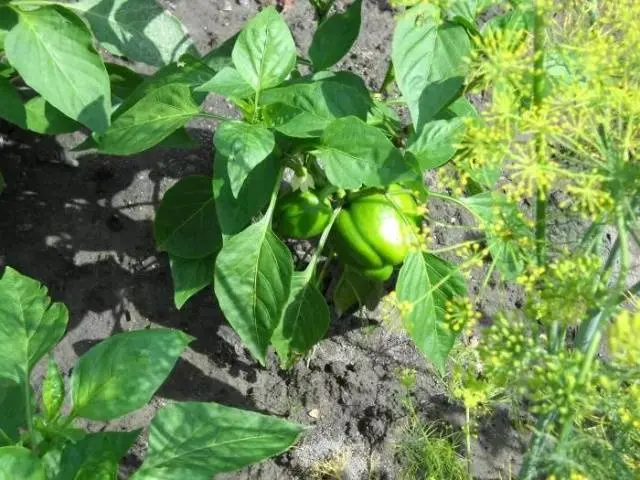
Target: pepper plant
(39, 438)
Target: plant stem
(323, 239)
(28, 411)
(467, 433)
(213, 116)
(389, 77)
(538, 94)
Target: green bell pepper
(301, 215)
(375, 231)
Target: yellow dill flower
(623, 338)
(460, 314)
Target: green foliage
(38, 439)
(335, 36)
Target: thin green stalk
(323, 240)
(28, 411)
(213, 116)
(467, 434)
(5, 438)
(538, 95)
(389, 78)
(538, 439)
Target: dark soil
(86, 232)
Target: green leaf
(2, 183)
(244, 146)
(148, 122)
(235, 213)
(220, 57)
(305, 321)
(189, 277)
(509, 256)
(426, 51)
(124, 82)
(427, 283)
(355, 289)
(36, 115)
(96, 456)
(305, 109)
(139, 30)
(463, 12)
(189, 71)
(435, 144)
(8, 19)
(52, 390)
(185, 224)
(53, 52)
(30, 325)
(353, 154)
(436, 97)
(228, 83)
(335, 36)
(199, 440)
(265, 53)
(252, 283)
(14, 412)
(121, 374)
(20, 463)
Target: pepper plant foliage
(297, 115)
(346, 149)
(38, 436)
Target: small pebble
(314, 413)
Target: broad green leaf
(124, 82)
(305, 109)
(427, 282)
(426, 51)
(148, 122)
(305, 320)
(335, 36)
(354, 289)
(436, 97)
(12, 406)
(464, 12)
(20, 463)
(353, 154)
(462, 108)
(189, 71)
(137, 29)
(185, 224)
(220, 57)
(436, 143)
(179, 139)
(53, 52)
(189, 277)
(228, 83)
(244, 146)
(52, 390)
(30, 325)
(8, 19)
(252, 282)
(197, 441)
(509, 256)
(36, 115)
(121, 374)
(265, 53)
(96, 456)
(235, 213)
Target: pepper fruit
(301, 215)
(375, 231)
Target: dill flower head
(624, 346)
(564, 290)
(460, 315)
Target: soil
(86, 232)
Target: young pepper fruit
(375, 231)
(301, 215)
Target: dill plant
(557, 141)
